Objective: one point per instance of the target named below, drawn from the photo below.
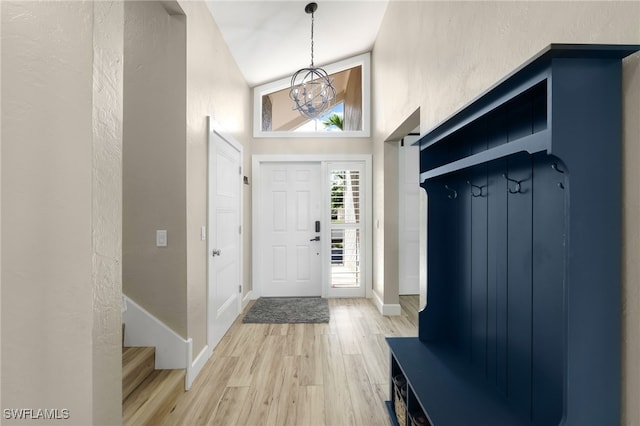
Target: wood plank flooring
(300, 374)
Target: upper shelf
(511, 112)
(536, 142)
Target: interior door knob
(317, 238)
(216, 252)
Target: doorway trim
(259, 159)
(409, 214)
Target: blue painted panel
(479, 287)
(548, 292)
(522, 324)
(461, 267)
(435, 320)
(587, 124)
(497, 275)
(519, 270)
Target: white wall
(106, 211)
(215, 87)
(1, 205)
(309, 146)
(437, 56)
(154, 162)
(61, 208)
(178, 71)
(62, 87)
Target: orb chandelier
(311, 88)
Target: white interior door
(225, 238)
(409, 217)
(290, 253)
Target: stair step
(137, 364)
(154, 399)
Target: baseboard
(143, 329)
(247, 298)
(196, 366)
(389, 309)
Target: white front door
(224, 248)
(290, 253)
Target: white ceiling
(271, 39)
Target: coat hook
(453, 194)
(554, 166)
(476, 191)
(517, 182)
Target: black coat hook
(518, 188)
(554, 166)
(453, 193)
(476, 191)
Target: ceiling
(271, 39)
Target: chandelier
(311, 89)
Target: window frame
(363, 60)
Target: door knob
(216, 252)
(317, 238)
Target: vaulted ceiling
(271, 39)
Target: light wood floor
(300, 374)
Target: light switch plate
(161, 238)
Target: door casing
(409, 219)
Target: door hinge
(240, 170)
(240, 288)
(240, 229)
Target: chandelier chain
(312, 19)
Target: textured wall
(155, 185)
(46, 192)
(61, 115)
(437, 56)
(106, 189)
(1, 204)
(215, 87)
